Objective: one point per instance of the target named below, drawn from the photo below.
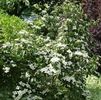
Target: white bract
(80, 53)
(7, 44)
(6, 69)
(23, 32)
(55, 59)
(61, 45)
(32, 66)
(48, 70)
(27, 75)
(69, 79)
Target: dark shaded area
(92, 8)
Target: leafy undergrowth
(94, 86)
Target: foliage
(47, 58)
(16, 7)
(92, 9)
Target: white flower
(32, 66)
(14, 65)
(7, 44)
(48, 70)
(23, 32)
(55, 59)
(35, 26)
(47, 39)
(69, 51)
(26, 2)
(64, 62)
(68, 19)
(79, 53)
(69, 78)
(83, 53)
(43, 18)
(24, 40)
(48, 44)
(20, 94)
(27, 75)
(74, 27)
(6, 69)
(22, 84)
(70, 63)
(17, 87)
(61, 45)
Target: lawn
(94, 86)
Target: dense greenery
(44, 53)
(16, 7)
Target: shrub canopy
(48, 56)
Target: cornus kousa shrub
(47, 59)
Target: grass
(94, 86)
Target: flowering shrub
(47, 58)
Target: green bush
(49, 58)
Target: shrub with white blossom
(49, 58)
